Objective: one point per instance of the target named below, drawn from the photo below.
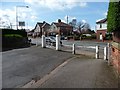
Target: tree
(79, 27)
(113, 18)
(73, 23)
(83, 26)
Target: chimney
(43, 21)
(59, 20)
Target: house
(41, 28)
(45, 29)
(101, 28)
(60, 28)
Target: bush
(113, 17)
(108, 37)
(12, 35)
(93, 36)
(11, 31)
(76, 37)
(13, 40)
(70, 37)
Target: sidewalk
(81, 72)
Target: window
(100, 25)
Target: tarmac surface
(20, 66)
(83, 72)
(54, 69)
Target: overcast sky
(52, 10)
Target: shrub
(108, 37)
(113, 19)
(70, 37)
(11, 31)
(93, 36)
(12, 35)
(76, 37)
(13, 40)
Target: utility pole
(17, 15)
(67, 19)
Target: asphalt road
(82, 47)
(20, 66)
(78, 43)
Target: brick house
(41, 28)
(60, 28)
(101, 29)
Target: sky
(52, 10)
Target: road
(82, 47)
(78, 43)
(20, 66)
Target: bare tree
(80, 27)
(83, 26)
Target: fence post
(97, 52)
(57, 42)
(36, 42)
(73, 49)
(105, 53)
(43, 41)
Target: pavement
(81, 72)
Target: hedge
(11, 31)
(113, 16)
(14, 38)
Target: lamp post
(17, 15)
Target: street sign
(21, 23)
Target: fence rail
(102, 52)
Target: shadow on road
(11, 48)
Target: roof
(40, 24)
(101, 21)
(45, 24)
(61, 24)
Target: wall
(104, 26)
(38, 28)
(100, 31)
(116, 56)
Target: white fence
(95, 51)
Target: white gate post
(57, 42)
(105, 53)
(97, 52)
(43, 41)
(73, 49)
(36, 42)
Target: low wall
(116, 56)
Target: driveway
(20, 66)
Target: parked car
(62, 38)
(52, 41)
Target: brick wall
(116, 57)
(103, 32)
